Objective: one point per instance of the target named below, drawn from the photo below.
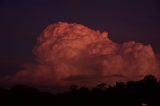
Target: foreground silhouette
(145, 92)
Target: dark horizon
(144, 92)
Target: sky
(22, 21)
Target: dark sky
(21, 22)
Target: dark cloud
(9, 68)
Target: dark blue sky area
(21, 22)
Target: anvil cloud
(69, 54)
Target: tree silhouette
(133, 93)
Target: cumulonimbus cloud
(69, 54)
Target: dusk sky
(22, 21)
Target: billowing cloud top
(74, 54)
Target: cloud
(11, 65)
(69, 54)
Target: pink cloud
(69, 54)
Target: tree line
(145, 92)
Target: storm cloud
(69, 54)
